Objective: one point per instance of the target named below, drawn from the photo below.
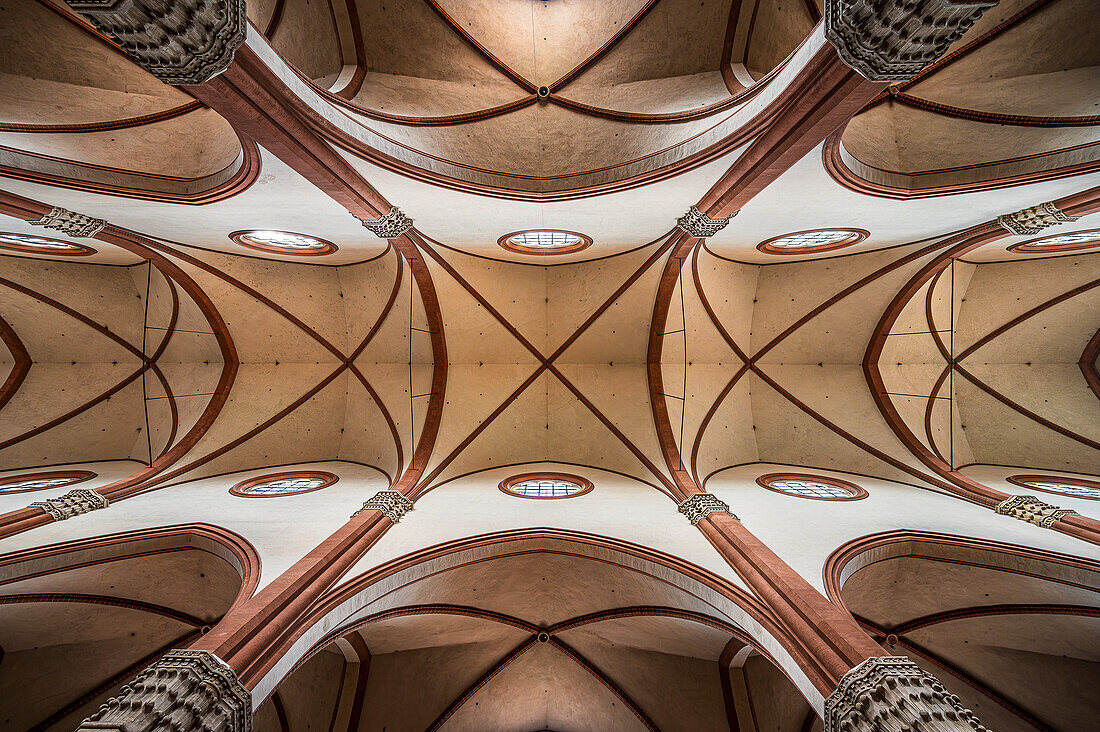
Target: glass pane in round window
(545, 488)
(1067, 489)
(809, 488)
(283, 485)
(545, 239)
(30, 485)
(283, 240)
(37, 241)
(1079, 237)
(811, 239)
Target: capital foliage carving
(893, 40)
(73, 503)
(892, 694)
(1032, 510)
(700, 505)
(182, 42)
(392, 504)
(1035, 219)
(697, 224)
(185, 690)
(391, 225)
(70, 222)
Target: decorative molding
(392, 504)
(392, 225)
(181, 42)
(893, 40)
(892, 694)
(73, 503)
(1032, 510)
(184, 690)
(70, 222)
(697, 224)
(1035, 219)
(699, 505)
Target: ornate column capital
(700, 505)
(1035, 219)
(73, 503)
(697, 224)
(182, 42)
(892, 694)
(392, 504)
(893, 40)
(391, 225)
(184, 690)
(70, 222)
(1032, 510)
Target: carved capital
(182, 42)
(700, 505)
(892, 694)
(697, 224)
(184, 690)
(73, 503)
(1035, 219)
(1032, 510)
(893, 40)
(70, 222)
(390, 226)
(392, 504)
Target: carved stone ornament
(390, 226)
(70, 222)
(185, 690)
(182, 42)
(1035, 219)
(893, 40)
(1032, 510)
(700, 504)
(73, 503)
(892, 694)
(392, 504)
(697, 224)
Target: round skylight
(42, 245)
(283, 484)
(283, 242)
(1060, 242)
(42, 481)
(546, 485)
(812, 486)
(812, 241)
(544, 241)
(1076, 487)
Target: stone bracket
(1035, 219)
(73, 503)
(1032, 510)
(392, 504)
(391, 225)
(697, 224)
(68, 222)
(699, 505)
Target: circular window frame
(1028, 247)
(240, 488)
(73, 249)
(238, 238)
(1021, 481)
(855, 492)
(506, 244)
(75, 476)
(585, 485)
(855, 236)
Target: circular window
(41, 481)
(30, 244)
(546, 485)
(1059, 243)
(283, 484)
(812, 486)
(283, 242)
(1076, 487)
(544, 241)
(813, 241)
